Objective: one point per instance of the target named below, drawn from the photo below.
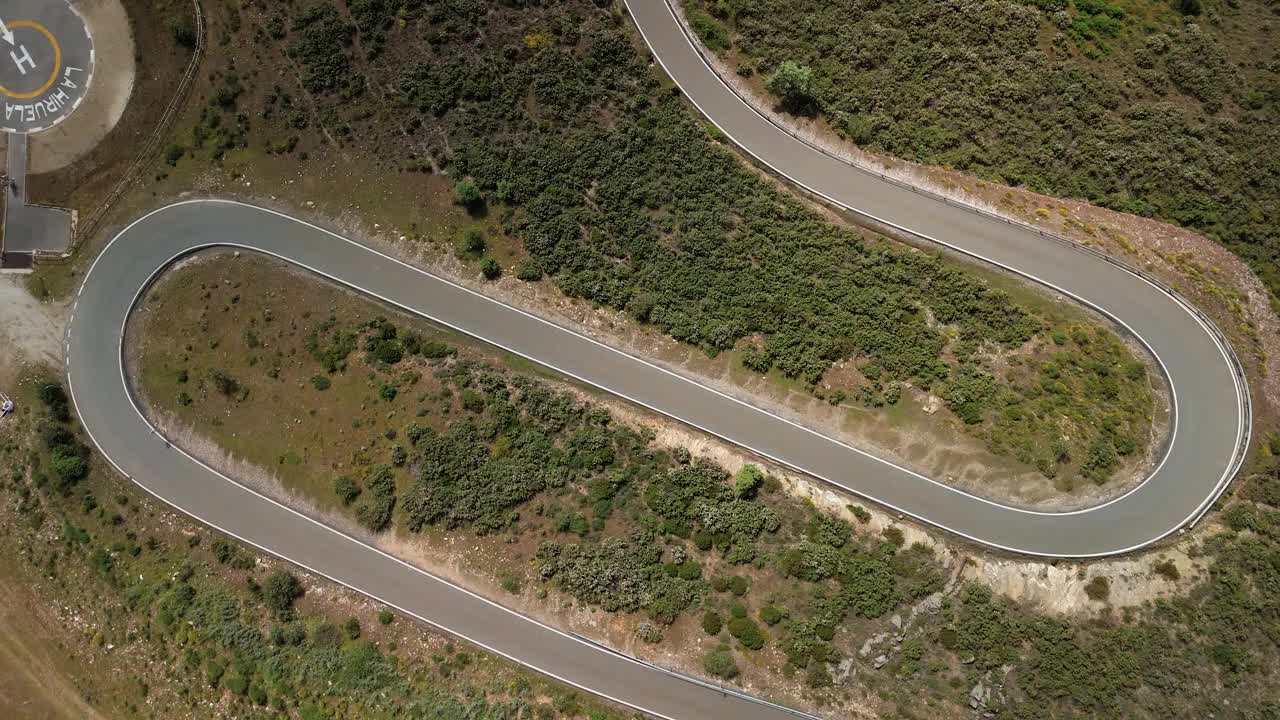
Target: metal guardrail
(1246, 401)
(151, 146)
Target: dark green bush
(467, 194)
(346, 489)
(490, 269)
(182, 30)
(280, 592)
(746, 632)
(770, 615)
(711, 622)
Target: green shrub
(490, 269)
(711, 622)
(173, 153)
(817, 676)
(739, 585)
(1167, 570)
(648, 632)
(710, 31)
(224, 383)
(747, 482)
(280, 592)
(510, 582)
(528, 269)
(770, 615)
(467, 194)
(56, 401)
(183, 31)
(320, 382)
(237, 683)
(374, 511)
(434, 350)
(828, 530)
(746, 632)
(69, 467)
(346, 489)
(720, 663)
(1098, 589)
(473, 242)
(386, 617)
(214, 671)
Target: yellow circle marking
(57, 61)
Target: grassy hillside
(1165, 109)
(554, 133)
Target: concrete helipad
(46, 63)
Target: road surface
(1210, 410)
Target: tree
(1189, 7)
(793, 84)
(173, 153)
(747, 481)
(467, 194)
(280, 592)
(68, 465)
(184, 32)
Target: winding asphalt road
(1211, 420)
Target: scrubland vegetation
(552, 128)
(585, 507)
(175, 619)
(1162, 109)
